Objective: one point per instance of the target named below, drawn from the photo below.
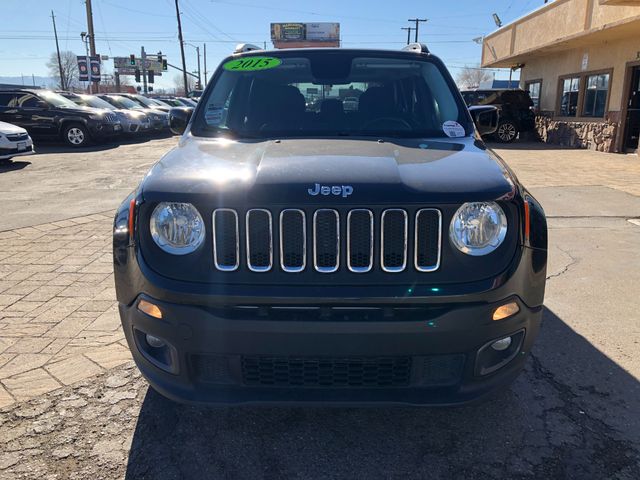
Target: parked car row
(80, 119)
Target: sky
(123, 26)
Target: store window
(569, 100)
(534, 92)
(595, 95)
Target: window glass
(534, 93)
(595, 95)
(318, 94)
(27, 100)
(569, 100)
(6, 99)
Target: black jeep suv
(282, 253)
(516, 110)
(46, 114)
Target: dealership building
(580, 61)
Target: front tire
(507, 132)
(76, 135)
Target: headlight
(478, 228)
(177, 228)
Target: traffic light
(132, 60)
(150, 75)
(165, 67)
(137, 73)
(150, 89)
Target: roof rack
(416, 47)
(246, 47)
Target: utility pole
(205, 64)
(184, 63)
(63, 85)
(199, 77)
(92, 41)
(417, 20)
(408, 29)
(143, 60)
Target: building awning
(558, 26)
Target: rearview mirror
(179, 119)
(485, 117)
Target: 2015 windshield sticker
(453, 129)
(252, 64)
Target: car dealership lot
(72, 405)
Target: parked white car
(14, 141)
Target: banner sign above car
(299, 35)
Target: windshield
(57, 100)
(91, 101)
(124, 102)
(331, 94)
(147, 102)
(171, 102)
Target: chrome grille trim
(251, 267)
(315, 241)
(405, 233)
(284, 267)
(370, 266)
(427, 268)
(225, 268)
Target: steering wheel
(398, 121)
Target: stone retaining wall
(599, 136)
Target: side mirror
(485, 117)
(41, 104)
(179, 119)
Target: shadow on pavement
(538, 428)
(51, 146)
(11, 165)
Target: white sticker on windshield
(213, 115)
(453, 129)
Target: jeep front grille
(337, 240)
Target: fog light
(156, 342)
(506, 311)
(498, 345)
(149, 308)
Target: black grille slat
(360, 240)
(326, 235)
(225, 244)
(394, 240)
(293, 240)
(326, 371)
(427, 235)
(259, 240)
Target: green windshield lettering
(252, 64)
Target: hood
(9, 128)
(317, 171)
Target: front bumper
(221, 356)
(105, 130)
(11, 149)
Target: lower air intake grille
(327, 371)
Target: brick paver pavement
(58, 315)
(58, 318)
